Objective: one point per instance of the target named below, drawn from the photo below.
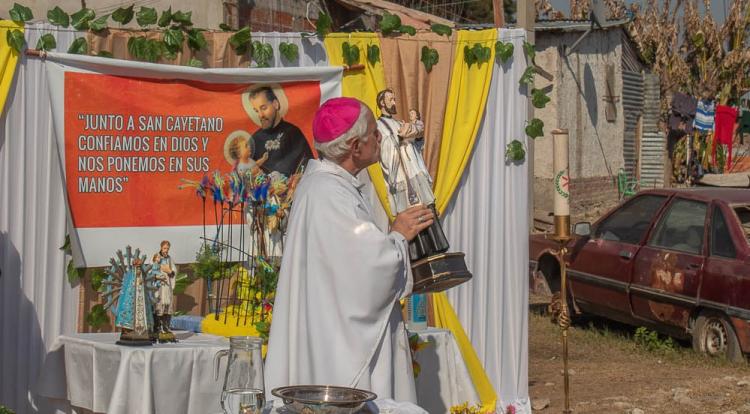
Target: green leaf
(184, 18)
(389, 23)
(80, 19)
(373, 54)
(323, 24)
(166, 17)
(181, 282)
(20, 13)
(538, 98)
(196, 40)
(195, 63)
(97, 317)
(74, 273)
(429, 58)
(136, 45)
(58, 17)
(410, 30)
(46, 42)
(504, 50)
(66, 245)
(79, 46)
(153, 50)
(528, 77)
(262, 54)
(351, 53)
(528, 50)
(123, 15)
(146, 16)
(469, 57)
(225, 27)
(142, 48)
(99, 24)
(476, 54)
(535, 128)
(240, 41)
(105, 54)
(482, 53)
(97, 277)
(441, 29)
(173, 39)
(15, 39)
(290, 51)
(514, 151)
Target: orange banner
(129, 141)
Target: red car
(674, 260)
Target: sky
(719, 8)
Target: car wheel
(714, 335)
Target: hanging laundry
(704, 115)
(683, 112)
(725, 127)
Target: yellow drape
(8, 59)
(446, 318)
(467, 98)
(363, 85)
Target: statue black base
(433, 269)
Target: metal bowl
(323, 399)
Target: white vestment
(402, 162)
(337, 318)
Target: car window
(743, 213)
(631, 221)
(681, 228)
(721, 240)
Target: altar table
(95, 374)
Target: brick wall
(283, 16)
(589, 198)
(592, 197)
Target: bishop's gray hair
(337, 149)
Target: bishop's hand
(412, 220)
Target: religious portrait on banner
(283, 142)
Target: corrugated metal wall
(632, 108)
(653, 144)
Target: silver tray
(323, 399)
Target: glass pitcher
(243, 381)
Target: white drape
(487, 220)
(312, 51)
(36, 302)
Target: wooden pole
(526, 12)
(497, 11)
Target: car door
(601, 265)
(726, 277)
(667, 271)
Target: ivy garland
(177, 29)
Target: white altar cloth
(94, 373)
(444, 380)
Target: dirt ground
(611, 374)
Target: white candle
(561, 177)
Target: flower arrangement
(465, 408)
(244, 277)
